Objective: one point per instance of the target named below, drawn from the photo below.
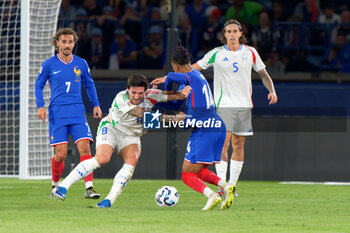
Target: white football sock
(235, 171)
(120, 181)
(80, 171)
(222, 184)
(221, 169)
(55, 183)
(208, 192)
(89, 184)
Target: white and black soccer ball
(167, 196)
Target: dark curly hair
(181, 56)
(137, 80)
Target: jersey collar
(63, 61)
(240, 48)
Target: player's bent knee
(131, 161)
(238, 146)
(102, 159)
(85, 152)
(61, 152)
(131, 154)
(60, 156)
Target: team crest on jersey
(244, 57)
(77, 71)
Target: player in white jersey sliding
(120, 130)
(232, 64)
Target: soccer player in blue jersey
(208, 136)
(65, 73)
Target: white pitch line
(313, 183)
(6, 187)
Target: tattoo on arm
(169, 92)
(267, 81)
(137, 111)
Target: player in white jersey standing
(120, 130)
(232, 64)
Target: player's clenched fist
(272, 97)
(97, 112)
(186, 91)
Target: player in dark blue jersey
(65, 73)
(208, 136)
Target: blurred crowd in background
(290, 35)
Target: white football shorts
(107, 134)
(238, 121)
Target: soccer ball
(167, 196)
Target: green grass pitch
(261, 207)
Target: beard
(66, 51)
(135, 102)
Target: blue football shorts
(205, 145)
(59, 130)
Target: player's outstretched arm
(42, 114)
(180, 95)
(169, 92)
(268, 83)
(97, 112)
(157, 81)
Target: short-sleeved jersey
(200, 102)
(65, 84)
(119, 111)
(232, 74)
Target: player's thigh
(106, 134)
(58, 131)
(130, 154)
(192, 167)
(79, 130)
